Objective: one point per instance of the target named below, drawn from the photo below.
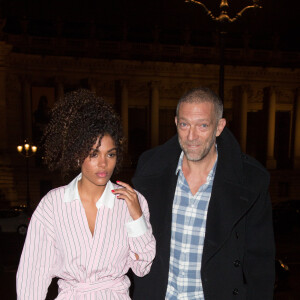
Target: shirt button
(235, 292)
(237, 263)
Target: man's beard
(200, 153)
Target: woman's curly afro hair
(77, 120)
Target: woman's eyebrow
(110, 150)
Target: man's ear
(176, 121)
(220, 126)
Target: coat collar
(162, 157)
(230, 200)
(230, 164)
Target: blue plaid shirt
(187, 237)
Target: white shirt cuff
(137, 227)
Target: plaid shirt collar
(211, 173)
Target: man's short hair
(200, 95)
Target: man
(210, 211)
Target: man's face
(197, 129)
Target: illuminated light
(20, 148)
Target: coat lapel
(229, 199)
(227, 204)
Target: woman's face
(98, 167)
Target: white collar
(107, 198)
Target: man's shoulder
(154, 160)
(240, 164)
(169, 146)
(252, 166)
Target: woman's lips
(101, 174)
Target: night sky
(278, 18)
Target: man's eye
(182, 124)
(202, 126)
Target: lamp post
(27, 150)
(222, 20)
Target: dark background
(277, 22)
(275, 26)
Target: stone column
(243, 123)
(185, 87)
(154, 105)
(27, 108)
(271, 162)
(4, 52)
(59, 88)
(93, 84)
(124, 111)
(296, 162)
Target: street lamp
(224, 19)
(27, 150)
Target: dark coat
(238, 254)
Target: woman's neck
(89, 191)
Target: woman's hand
(128, 194)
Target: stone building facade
(262, 103)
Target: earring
(78, 163)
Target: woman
(90, 232)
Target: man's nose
(192, 134)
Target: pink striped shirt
(59, 244)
